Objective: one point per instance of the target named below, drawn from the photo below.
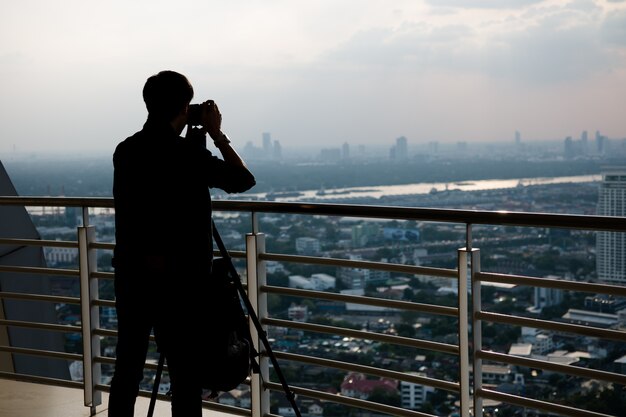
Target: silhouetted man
(163, 246)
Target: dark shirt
(161, 192)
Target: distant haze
(318, 72)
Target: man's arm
(212, 123)
(229, 153)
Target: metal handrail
(550, 366)
(40, 242)
(41, 326)
(42, 353)
(370, 370)
(349, 401)
(39, 297)
(552, 325)
(358, 299)
(509, 218)
(536, 404)
(360, 334)
(561, 284)
(466, 217)
(39, 270)
(350, 263)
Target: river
(417, 188)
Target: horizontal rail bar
(41, 326)
(562, 284)
(359, 334)
(552, 325)
(104, 303)
(105, 202)
(349, 263)
(41, 380)
(39, 270)
(428, 214)
(370, 370)
(40, 352)
(102, 275)
(102, 245)
(232, 253)
(349, 401)
(109, 333)
(617, 224)
(40, 242)
(39, 297)
(357, 299)
(536, 404)
(550, 366)
(105, 360)
(113, 333)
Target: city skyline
(318, 72)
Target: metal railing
(469, 312)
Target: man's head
(166, 94)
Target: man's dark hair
(166, 94)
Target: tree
(384, 396)
(405, 330)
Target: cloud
(546, 55)
(549, 45)
(410, 47)
(483, 4)
(614, 28)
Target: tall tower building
(584, 139)
(278, 150)
(345, 151)
(267, 144)
(611, 246)
(400, 151)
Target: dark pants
(167, 303)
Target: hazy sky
(315, 71)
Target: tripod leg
(155, 387)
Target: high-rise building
(568, 147)
(278, 150)
(267, 144)
(611, 246)
(345, 151)
(400, 151)
(602, 143)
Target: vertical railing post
(255, 245)
(477, 333)
(464, 369)
(90, 317)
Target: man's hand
(212, 119)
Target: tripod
(255, 320)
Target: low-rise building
(356, 385)
(413, 396)
(308, 246)
(590, 318)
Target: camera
(194, 115)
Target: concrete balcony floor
(25, 399)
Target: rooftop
(26, 399)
